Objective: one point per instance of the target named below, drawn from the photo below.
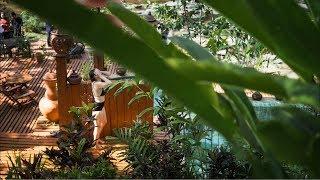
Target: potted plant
(41, 55)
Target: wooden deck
(24, 130)
(23, 120)
(27, 145)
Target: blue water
(263, 110)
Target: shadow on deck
(23, 120)
(24, 131)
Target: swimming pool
(263, 111)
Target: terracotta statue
(48, 105)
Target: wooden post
(74, 85)
(61, 68)
(62, 43)
(98, 59)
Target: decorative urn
(48, 105)
(61, 42)
(74, 78)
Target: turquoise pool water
(262, 108)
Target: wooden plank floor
(28, 144)
(24, 130)
(23, 120)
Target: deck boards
(28, 145)
(18, 121)
(23, 120)
(25, 130)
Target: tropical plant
(102, 168)
(224, 165)
(287, 30)
(23, 46)
(74, 158)
(169, 17)
(225, 41)
(236, 44)
(187, 133)
(42, 55)
(151, 158)
(186, 14)
(32, 168)
(44, 51)
(74, 142)
(183, 130)
(85, 69)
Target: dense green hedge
(31, 22)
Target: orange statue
(48, 105)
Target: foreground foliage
(149, 158)
(31, 168)
(224, 165)
(73, 159)
(292, 136)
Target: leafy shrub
(295, 171)
(102, 169)
(224, 165)
(186, 131)
(75, 142)
(149, 158)
(169, 17)
(31, 22)
(32, 168)
(223, 36)
(85, 69)
(236, 44)
(73, 158)
(23, 46)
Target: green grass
(33, 37)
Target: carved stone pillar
(62, 43)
